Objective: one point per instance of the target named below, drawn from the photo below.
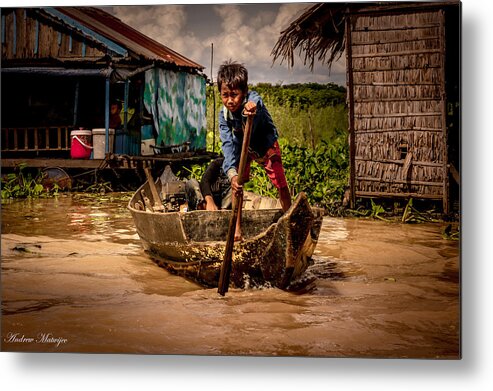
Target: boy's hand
(250, 108)
(237, 188)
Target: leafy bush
(322, 173)
(302, 95)
(24, 185)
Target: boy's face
(232, 98)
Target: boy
(214, 190)
(232, 82)
(215, 186)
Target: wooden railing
(29, 139)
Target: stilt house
(63, 67)
(403, 80)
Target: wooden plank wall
(27, 35)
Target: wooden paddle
(236, 215)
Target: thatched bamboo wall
(397, 104)
(26, 36)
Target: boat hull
(276, 249)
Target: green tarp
(177, 103)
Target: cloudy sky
(243, 32)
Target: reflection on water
(80, 215)
(73, 268)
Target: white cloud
(232, 17)
(161, 23)
(237, 37)
(165, 24)
(244, 36)
(251, 41)
(287, 13)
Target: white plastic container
(99, 142)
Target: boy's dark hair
(234, 75)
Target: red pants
(273, 166)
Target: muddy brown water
(75, 279)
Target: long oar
(237, 205)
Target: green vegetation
(393, 211)
(99, 187)
(195, 171)
(24, 185)
(412, 215)
(304, 95)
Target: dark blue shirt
(264, 133)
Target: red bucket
(81, 144)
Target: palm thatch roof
(319, 33)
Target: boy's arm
(228, 147)
(255, 105)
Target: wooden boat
(276, 248)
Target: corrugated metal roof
(114, 29)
